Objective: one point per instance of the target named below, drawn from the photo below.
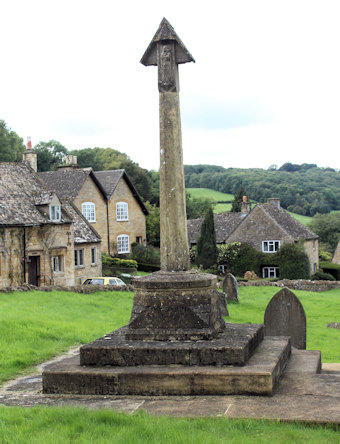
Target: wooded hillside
(304, 189)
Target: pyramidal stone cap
(166, 33)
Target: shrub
(320, 276)
(239, 258)
(206, 243)
(250, 275)
(146, 254)
(293, 262)
(333, 269)
(109, 261)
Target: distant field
(221, 208)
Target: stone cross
(167, 51)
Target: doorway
(34, 270)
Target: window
(270, 246)
(123, 243)
(138, 239)
(89, 211)
(122, 211)
(93, 256)
(55, 213)
(79, 257)
(57, 264)
(270, 272)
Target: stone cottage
(266, 227)
(107, 199)
(44, 240)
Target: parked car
(103, 280)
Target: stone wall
(298, 284)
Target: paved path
(307, 397)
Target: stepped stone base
(258, 376)
(233, 346)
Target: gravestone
(285, 316)
(230, 287)
(222, 297)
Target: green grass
(304, 220)
(320, 308)
(74, 425)
(36, 325)
(210, 194)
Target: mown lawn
(34, 326)
(48, 425)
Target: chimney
(274, 201)
(30, 156)
(245, 206)
(70, 163)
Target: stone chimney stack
(274, 201)
(30, 156)
(70, 163)
(245, 206)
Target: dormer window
(122, 211)
(89, 211)
(55, 213)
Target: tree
(238, 199)
(196, 206)
(11, 145)
(327, 227)
(153, 225)
(293, 262)
(49, 155)
(206, 243)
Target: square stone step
(258, 376)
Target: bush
(146, 255)
(109, 261)
(320, 276)
(333, 269)
(250, 275)
(206, 243)
(240, 258)
(293, 262)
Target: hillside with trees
(304, 189)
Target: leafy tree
(196, 206)
(11, 145)
(153, 225)
(49, 155)
(88, 157)
(238, 198)
(206, 243)
(293, 262)
(327, 227)
(239, 258)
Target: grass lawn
(42, 425)
(34, 326)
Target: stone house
(44, 240)
(336, 255)
(266, 227)
(107, 199)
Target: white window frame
(57, 263)
(55, 213)
(123, 244)
(88, 210)
(273, 272)
(79, 260)
(270, 246)
(122, 211)
(93, 256)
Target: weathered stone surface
(230, 287)
(259, 376)
(333, 325)
(285, 316)
(223, 303)
(175, 306)
(232, 347)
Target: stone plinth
(234, 346)
(259, 376)
(171, 306)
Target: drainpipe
(24, 255)
(108, 225)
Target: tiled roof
(83, 231)
(66, 183)
(292, 226)
(21, 194)
(225, 224)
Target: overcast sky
(264, 89)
